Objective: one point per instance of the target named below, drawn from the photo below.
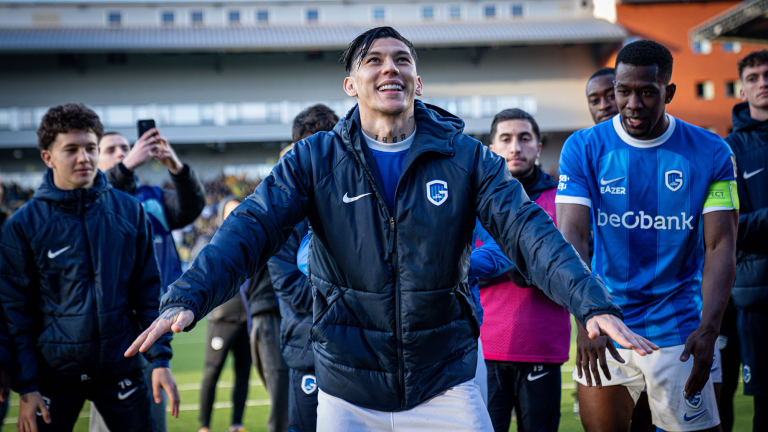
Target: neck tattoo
(394, 139)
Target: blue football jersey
(646, 199)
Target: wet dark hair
(514, 114)
(359, 47)
(755, 58)
(316, 118)
(647, 53)
(65, 119)
(601, 72)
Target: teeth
(390, 87)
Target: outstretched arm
(718, 274)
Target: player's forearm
(718, 274)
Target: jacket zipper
(91, 274)
(398, 319)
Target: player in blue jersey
(664, 209)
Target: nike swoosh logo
(347, 199)
(535, 377)
(695, 416)
(748, 175)
(123, 396)
(605, 182)
(53, 255)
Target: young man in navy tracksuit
(392, 195)
(749, 142)
(78, 281)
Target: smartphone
(145, 125)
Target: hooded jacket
(393, 321)
(78, 283)
(749, 142)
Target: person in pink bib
(525, 335)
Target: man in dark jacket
(78, 279)
(295, 294)
(167, 211)
(395, 329)
(749, 142)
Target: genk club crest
(437, 192)
(673, 180)
(694, 401)
(309, 384)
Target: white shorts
(459, 408)
(664, 376)
(717, 366)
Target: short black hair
(359, 47)
(514, 114)
(601, 72)
(755, 58)
(314, 119)
(65, 119)
(647, 53)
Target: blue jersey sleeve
(302, 255)
(487, 261)
(724, 162)
(573, 187)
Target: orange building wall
(669, 24)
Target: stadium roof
(745, 22)
(298, 38)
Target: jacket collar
(71, 200)
(435, 130)
(743, 121)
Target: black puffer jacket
(394, 322)
(78, 282)
(295, 294)
(749, 142)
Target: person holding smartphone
(167, 211)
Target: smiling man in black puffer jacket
(78, 281)
(395, 328)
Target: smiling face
(385, 82)
(601, 98)
(517, 143)
(641, 96)
(112, 150)
(73, 158)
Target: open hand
(29, 405)
(700, 344)
(163, 378)
(176, 318)
(614, 328)
(590, 352)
